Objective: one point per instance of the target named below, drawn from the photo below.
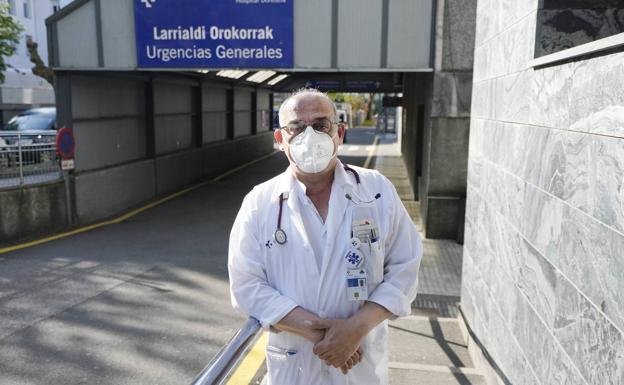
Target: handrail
(216, 371)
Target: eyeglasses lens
(320, 125)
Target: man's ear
(341, 131)
(277, 134)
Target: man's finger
(320, 348)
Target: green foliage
(10, 31)
(368, 123)
(358, 102)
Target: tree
(10, 31)
(369, 106)
(40, 69)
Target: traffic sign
(67, 164)
(65, 143)
(214, 33)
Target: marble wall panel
(608, 181)
(483, 99)
(516, 44)
(514, 10)
(594, 344)
(475, 166)
(483, 62)
(509, 357)
(513, 97)
(545, 212)
(591, 256)
(551, 96)
(542, 221)
(517, 148)
(475, 139)
(488, 21)
(597, 96)
(536, 280)
(579, 174)
(536, 141)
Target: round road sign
(65, 143)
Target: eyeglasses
(297, 127)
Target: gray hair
(308, 91)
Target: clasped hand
(340, 347)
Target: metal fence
(28, 157)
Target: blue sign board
(214, 33)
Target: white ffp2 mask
(312, 151)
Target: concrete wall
(31, 210)
(106, 192)
(138, 135)
(542, 275)
(108, 120)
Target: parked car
(36, 126)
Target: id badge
(357, 290)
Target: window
(12, 7)
(55, 7)
(563, 24)
(27, 10)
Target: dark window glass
(563, 24)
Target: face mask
(312, 151)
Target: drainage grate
(443, 305)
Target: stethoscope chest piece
(280, 236)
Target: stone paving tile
(417, 377)
(428, 341)
(440, 271)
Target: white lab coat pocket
(284, 365)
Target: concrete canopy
(329, 35)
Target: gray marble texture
(608, 181)
(483, 100)
(544, 245)
(506, 53)
(495, 16)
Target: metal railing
(229, 356)
(28, 157)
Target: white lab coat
(268, 280)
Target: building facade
(543, 265)
(22, 89)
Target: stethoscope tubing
(280, 235)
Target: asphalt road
(145, 301)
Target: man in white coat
(322, 255)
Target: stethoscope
(280, 234)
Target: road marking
(131, 213)
(248, 368)
(371, 152)
(353, 148)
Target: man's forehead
(312, 104)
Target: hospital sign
(214, 33)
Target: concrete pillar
(442, 187)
